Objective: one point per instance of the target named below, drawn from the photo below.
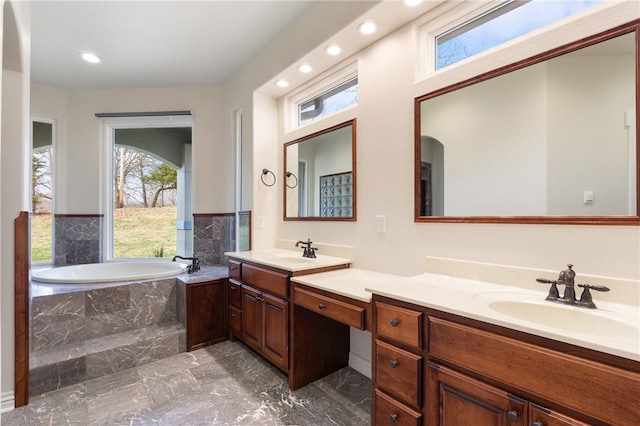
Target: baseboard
(7, 401)
(360, 364)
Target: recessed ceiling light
(282, 83)
(411, 3)
(305, 68)
(333, 50)
(90, 57)
(367, 28)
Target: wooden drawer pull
(321, 306)
(393, 418)
(394, 322)
(393, 363)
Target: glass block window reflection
(336, 195)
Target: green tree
(164, 178)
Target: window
(500, 24)
(42, 165)
(335, 99)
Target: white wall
(388, 85)
(14, 169)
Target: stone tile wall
(214, 234)
(78, 239)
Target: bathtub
(108, 272)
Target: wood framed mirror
(551, 139)
(319, 175)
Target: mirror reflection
(319, 175)
(553, 140)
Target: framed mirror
(320, 175)
(551, 139)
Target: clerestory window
(500, 24)
(336, 98)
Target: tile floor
(218, 385)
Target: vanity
(260, 296)
(442, 356)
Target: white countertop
(350, 282)
(590, 328)
(288, 260)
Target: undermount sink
(571, 319)
(291, 258)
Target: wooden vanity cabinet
(206, 313)
(265, 325)
(259, 308)
(481, 374)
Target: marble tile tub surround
(213, 235)
(623, 291)
(78, 239)
(221, 384)
(83, 331)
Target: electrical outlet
(381, 225)
(260, 224)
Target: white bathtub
(108, 272)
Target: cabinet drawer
(607, 393)
(235, 294)
(399, 373)
(235, 320)
(335, 309)
(234, 270)
(270, 281)
(388, 411)
(400, 324)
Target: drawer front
(335, 309)
(388, 411)
(607, 393)
(270, 281)
(235, 320)
(235, 270)
(400, 324)
(235, 294)
(399, 373)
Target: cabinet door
(206, 314)
(458, 400)
(251, 317)
(276, 330)
(539, 416)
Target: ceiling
(165, 43)
(151, 43)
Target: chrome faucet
(309, 251)
(567, 278)
(193, 267)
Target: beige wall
(388, 84)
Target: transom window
(500, 24)
(336, 98)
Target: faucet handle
(554, 294)
(594, 287)
(585, 298)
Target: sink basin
(290, 258)
(572, 319)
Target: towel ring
(289, 174)
(266, 172)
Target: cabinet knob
(393, 363)
(512, 416)
(394, 322)
(233, 287)
(233, 315)
(321, 306)
(537, 424)
(393, 418)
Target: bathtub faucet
(195, 263)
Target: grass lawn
(139, 232)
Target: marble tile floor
(222, 384)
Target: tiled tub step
(60, 366)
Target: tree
(41, 182)
(165, 178)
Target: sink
(290, 258)
(572, 319)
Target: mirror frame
(352, 218)
(630, 27)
